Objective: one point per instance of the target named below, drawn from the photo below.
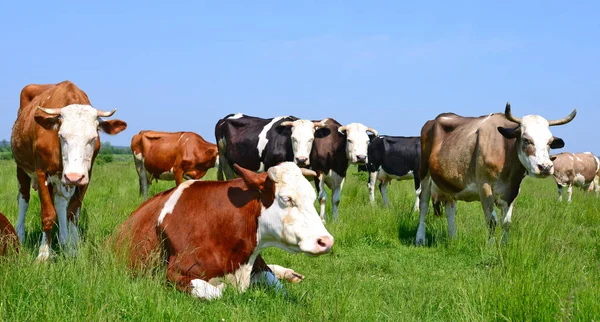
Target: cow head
(303, 135)
(357, 142)
(534, 141)
(78, 127)
(291, 221)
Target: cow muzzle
(545, 169)
(302, 161)
(322, 245)
(75, 179)
(361, 158)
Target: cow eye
(286, 200)
(350, 141)
(526, 141)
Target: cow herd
(211, 233)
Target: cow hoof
(293, 277)
(44, 254)
(420, 242)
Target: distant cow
(8, 236)
(257, 144)
(393, 157)
(171, 156)
(334, 149)
(483, 158)
(54, 141)
(210, 231)
(575, 169)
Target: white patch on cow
(240, 279)
(44, 252)
(172, 201)
(138, 156)
(291, 222)
(536, 129)
(236, 116)
(262, 136)
(23, 206)
(357, 141)
(579, 180)
(204, 290)
(303, 135)
(570, 157)
(578, 158)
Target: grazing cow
(393, 157)
(210, 231)
(334, 148)
(8, 237)
(257, 144)
(575, 169)
(171, 156)
(483, 158)
(54, 141)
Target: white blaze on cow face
(303, 135)
(291, 222)
(357, 142)
(534, 150)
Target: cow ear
(557, 143)
(49, 122)
(112, 127)
(252, 179)
(553, 157)
(509, 133)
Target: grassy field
(549, 270)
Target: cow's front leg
(423, 209)
(288, 274)
(336, 195)
(322, 197)
(195, 286)
(73, 212)
(383, 190)
(48, 215)
(61, 202)
(23, 200)
(371, 185)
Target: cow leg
(569, 192)
(48, 215)
(263, 275)
(288, 274)
(417, 193)
(338, 185)
(383, 190)
(560, 191)
(61, 203)
(23, 201)
(450, 213)
(138, 159)
(322, 197)
(424, 197)
(197, 287)
(596, 187)
(507, 209)
(73, 212)
(487, 203)
(371, 185)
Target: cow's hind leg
(336, 193)
(195, 286)
(23, 201)
(322, 195)
(487, 203)
(450, 214)
(371, 185)
(560, 191)
(383, 190)
(424, 197)
(569, 192)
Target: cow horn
(51, 111)
(308, 173)
(320, 124)
(287, 123)
(509, 115)
(102, 113)
(564, 120)
(342, 129)
(372, 130)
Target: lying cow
(576, 169)
(334, 149)
(171, 156)
(393, 157)
(54, 142)
(483, 158)
(9, 241)
(257, 144)
(210, 231)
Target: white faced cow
(483, 158)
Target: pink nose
(74, 178)
(324, 244)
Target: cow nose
(301, 160)
(361, 158)
(545, 168)
(324, 244)
(74, 178)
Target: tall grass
(549, 270)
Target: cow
(257, 144)
(576, 169)
(54, 142)
(171, 156)
(208, 232)
(483, 159)
(9, 241)
(336, 147)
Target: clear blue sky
(391, 65)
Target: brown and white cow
(336, 147)
(8, 237)
(575, 169)
(54, 141)
(171, 156)
(483, 158)
(211, 231)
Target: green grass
(549, 270)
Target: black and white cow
(334, 149)
(393, 157)
(257, 144)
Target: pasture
(549, 270)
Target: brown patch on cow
(9, 242)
